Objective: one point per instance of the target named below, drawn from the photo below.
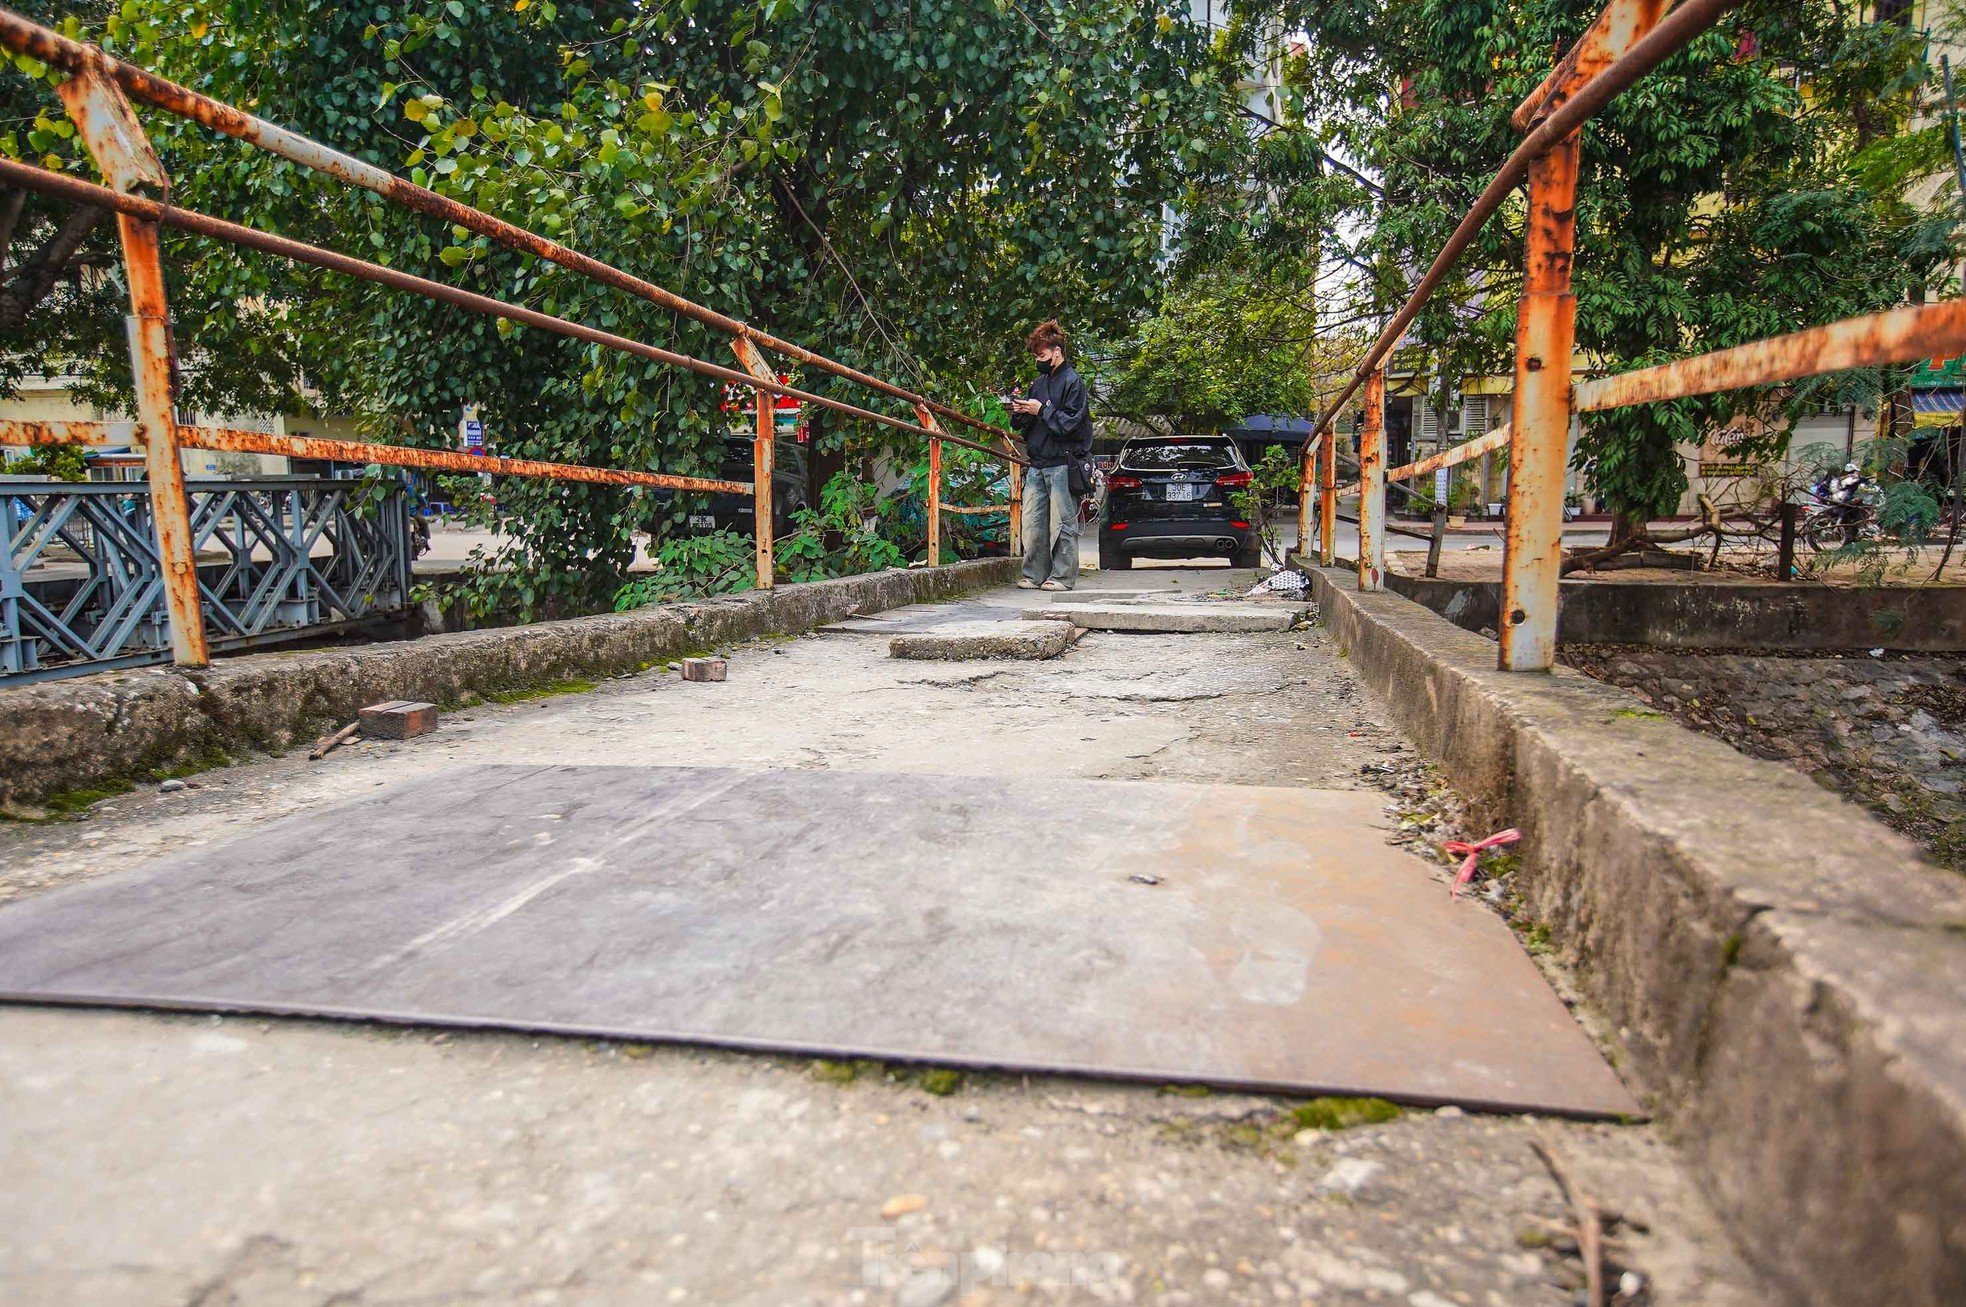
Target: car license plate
(702, 522)
(1180, 493)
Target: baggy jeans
(1051, 526)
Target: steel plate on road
(1248, 937)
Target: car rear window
(1179, 456)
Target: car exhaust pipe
(1226, 542)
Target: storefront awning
(1939, 407)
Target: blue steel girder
(278, 558)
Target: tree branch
(39, 274)
(10, 208)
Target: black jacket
(1062, 431)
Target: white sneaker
(1054, 585)
(1025, 583)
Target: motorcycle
(1842, 509)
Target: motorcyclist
(1845, 496)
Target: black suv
(729, 512)
(1170, 498)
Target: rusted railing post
(115, 139)
(1306, 483)
(764, 456)
(1372, 486)
(1327, 497)
(1545, 340)
(927, 419)
(1546, 333)
(1016, 527)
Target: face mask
(1045, 366)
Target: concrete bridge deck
(154, 1158)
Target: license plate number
(1180, 493)
(702, 522)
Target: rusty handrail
(1587, 77)
(24, 36)
(76, 191)
(1455, 456)
(1872, 340)
(1672, 34)
(230, 440)
(1613, 27)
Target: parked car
(790, 490)
(1171, 498)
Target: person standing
(1055, 420)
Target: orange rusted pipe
(1616, 28)
(14, 432)
(1485, 444)
(359, 451)
(1545, 341)
(1306, 482)
(1875, 340)
(764, 456)
(934, 489)
(1372, 487)
(23, 36)
(1655, 47)
(170, 505)
(1016, 527)
(77, 191)
(1546, 334)
(1327, 498)
(115, 140)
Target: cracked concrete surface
(173, 1159)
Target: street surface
(179, 1159)
(451, 546)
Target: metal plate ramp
(1255, 938)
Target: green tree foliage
(1753, 185)
(1220, 348)
(62, 462)
(902, 184)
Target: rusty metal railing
(1629, 39)
(96, 95)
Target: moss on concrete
(551, 689)
(1342, 1113)
(67, 804)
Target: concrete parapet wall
(1707, 615)
(1786, 976)
(86, 732)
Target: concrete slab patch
(916, 618)
(1173, 686)
(958, 641)
(1180, 618)
(1282, 946)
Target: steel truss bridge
(82, 586)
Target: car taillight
(1237, 479)
(1123, 483)
(1116, 526)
